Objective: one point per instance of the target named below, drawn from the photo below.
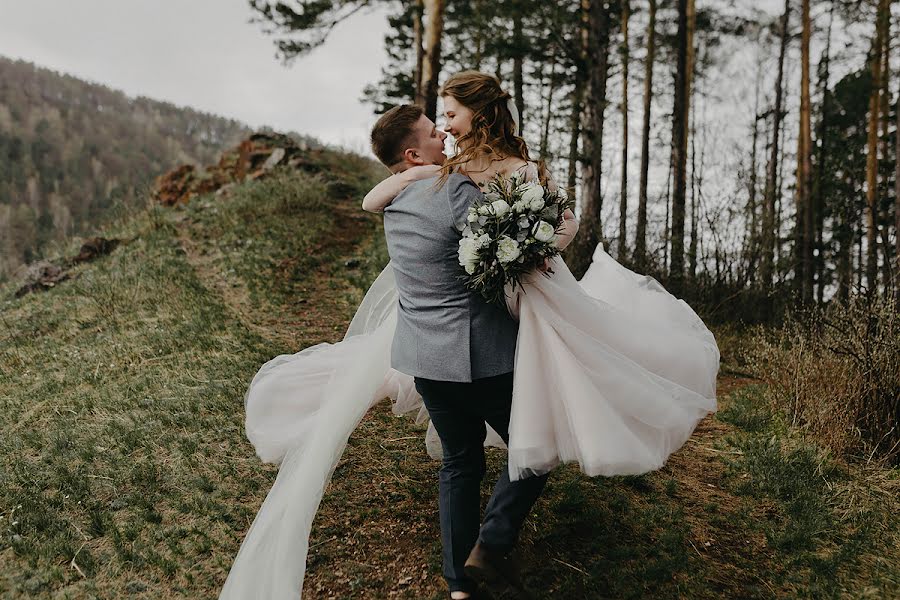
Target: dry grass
(836, 374)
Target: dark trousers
(459, 412)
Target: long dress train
(612, 372)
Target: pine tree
(872, 202)
(431, 65)
(679, 148)
(623, 190)
(640, 244)
(303, 25)
(769, 220)
(804, 270)
(597, 64)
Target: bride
(612, 372)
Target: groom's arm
(461, 192)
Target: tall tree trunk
(804, 167)
(885, 144)
(752, 237)
(431, 66)
(418, 11)
(479, 36)
(545, 134)
(679, 144)
(574, 136)
(769, 234)
(860, 261)
(591, 231)
(518, 59)
(692, 245)
(640, 243)
(897, 205)
(578, 99)
(779, 197)
(872, 152)
(623, 193)
(667, 227)
(818, 197)
(845, 252)
(690, 124)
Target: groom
(460, 350)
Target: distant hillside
(69, 150)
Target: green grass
(120, 395)
(832, 525)
(124, 470)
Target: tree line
(767, 172)
(71, 150)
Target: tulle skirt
(612, 373)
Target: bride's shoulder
(513, 165)
(527, 169)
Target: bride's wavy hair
(493, 132)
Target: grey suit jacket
(444, 332)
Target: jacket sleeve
(461, 192)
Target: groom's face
(428, 148)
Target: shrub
(836, 372)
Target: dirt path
(319, 309)
(377, 533)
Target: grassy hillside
(124, 470)
(72, 151)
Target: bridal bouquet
(510, 232)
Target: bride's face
(459, 117)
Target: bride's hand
(545, 266)
(384, 193)
(567, 231)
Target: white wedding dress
(612, 373)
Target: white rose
(483, 240)
(468, 254)
(507, 250)
(536, 205)
(500, 207)
(519, 206)
(484, 210)
(531, 192)
(543, 231)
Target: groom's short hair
(393, 133)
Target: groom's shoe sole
(479, 594)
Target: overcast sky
(205, 54)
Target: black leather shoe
(493, 568)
